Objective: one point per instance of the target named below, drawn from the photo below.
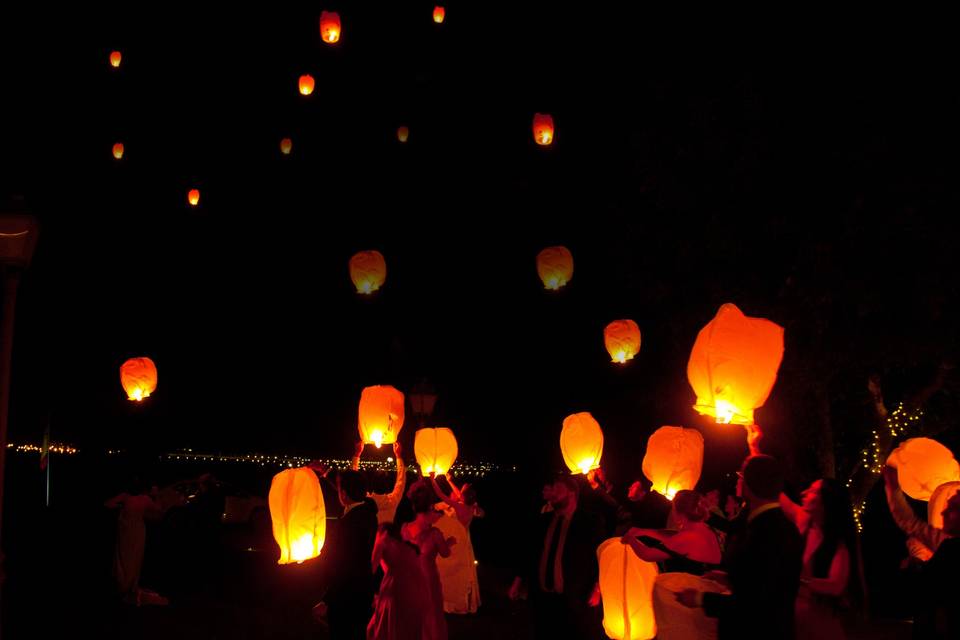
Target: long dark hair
(838, 528)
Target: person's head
(565, 490)
(351, 487)
(638, 489)
(469, 494)
(689, 506)
(422, 499)
(951, 516)
(828, 503)
(761, 479)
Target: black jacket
(347, 573)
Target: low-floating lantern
(298, 514)
(923, 465)
(581, 442)
(435, 450)
(626, 589)
(673, 460)
(380, 415)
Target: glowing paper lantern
(626, 587)
(298, 514)
(381, 415)
(115, 58)
(285, 146)
(193, 197)
(439, 13)
(555, 267)
(330, 26)
(734, 364)
(543, 129)
(435, 449)
(922, 466)
(673, 460)
(139, 378)
(368, 271)
(306, 84)
(581, 442)
(118, 150)
(622, 339)
(403, 133)
(938, 502)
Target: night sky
(808, 178)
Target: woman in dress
(458, 573)
(401, 605)
(135, 506)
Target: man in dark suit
(562, 566)
(350, 583)
(763, 559)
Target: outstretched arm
(903, 515)
(355, 461)
(401, 481)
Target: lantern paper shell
(285, 146)
(306, 84)
(439, 13)
(581, 442)
(193, 197)
(118, 150)
(139, 378)
(626, 587)
(330, 26)
(381, 415)
(555, 267)
(733, 365)
(938, 502)
(115, 58)
(922, 466)
(622, 339)
(368, 271)
(543, 129)
(298, 514)
(673, 460)
(435, 449)
(403, 133)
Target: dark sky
(693, 165)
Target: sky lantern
(115, 58)
(298, 514)
(543, 129)
(622, 339)
(403, 133)
(626, 589)
(439, 13)
(581, 442)
(306, 84)
(368, 271)
(285, 146)
(734, 364)
(118, 150)
(922, 466)
(555, 267)
(193, 197)
(330, 27)
(435, 450)
(938, 502)
(380, 415)
(139, 378)
(673, 460)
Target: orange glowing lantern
(403, 133)
(368, 271)
(439, 13)
(543, 129)
(673, 460)
(381, 415)
(555, 267)
(285, 146)
(306, 84)
(298, 513)
(435, 449)
(922, 466)
(581, 442)
(622, 339)
(626, 588)
(734, 364)
(193, 197)
(330, 26)
(118, 150)
(938, 502)
(139, 378)
(115, 58)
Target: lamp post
(423, 397)
(18, 238)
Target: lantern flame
(302, 548)
(377, 437)
(724, 411)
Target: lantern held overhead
(380, 415)
(581, 442)
(673, 460)
(435, 450)
(922, 466)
